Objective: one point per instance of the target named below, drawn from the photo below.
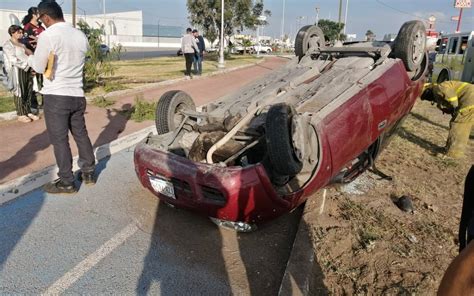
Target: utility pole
(345, 17)
(282, 32)
(105, 25)
(74, 13)
(340, 11)
(317, 15)
(221, 64)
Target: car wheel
(305, 38)
(443, 76)
(279, 140)
(168, 115)
(410, 44)
(269, 51)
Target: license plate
(162, 186)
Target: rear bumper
(227, 193)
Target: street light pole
(221, 64)
(105, 25)
(282, 26)
(317, 15)
(74, 13)
(345, 17)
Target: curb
(8, 116)
(30, 182)
(298, 276)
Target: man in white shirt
(64, 102)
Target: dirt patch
(365, 244)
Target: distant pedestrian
(198, 57)
(64, 102)
(32, 28)
(189, 49)
(19, 73)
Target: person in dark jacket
(198, 57)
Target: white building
(121, 27)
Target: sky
(380, 16)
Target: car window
(453, 44)
(463, 46)
(442, 46)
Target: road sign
(455, 18)
(462, 3)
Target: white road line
(321, 209)
(87, 264)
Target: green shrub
(102, 102)
(143, 110)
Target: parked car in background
(455, 58)
(261, 48)
(104, 49)
(261, 152)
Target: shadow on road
(116, 125)
(25, 156)
(15, 219)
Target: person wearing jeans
(198, 57)
(64, 101)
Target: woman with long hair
(16, 62)
(32, 28)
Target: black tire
(443, 76)
(303, 38)
(279, 140)
(410, 44)
(167, 116)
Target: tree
(369, 35)
(332, 30)
(238, 15)
(98, 63)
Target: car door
(347, 130)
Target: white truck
(455, 58)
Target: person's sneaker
(87, 178)
(59, 187)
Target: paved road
(134, 53)
(115, 237)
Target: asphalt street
(116, 238)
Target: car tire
(167, 116)
(410, 44)
(303, 38)
(279, 140)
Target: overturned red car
(257, 154)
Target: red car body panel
(248, 192)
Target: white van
(455, 58)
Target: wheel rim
(418, 47)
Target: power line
(407, 13)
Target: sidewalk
(26, 147)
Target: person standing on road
(32, 29)
(64, 101)
(455, 98)
(198, 57)
(189, 49)
(16, 63)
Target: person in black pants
(189, 49)
(199, 56)
(64, 101)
